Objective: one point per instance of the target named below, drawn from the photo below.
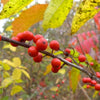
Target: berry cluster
(92, 83)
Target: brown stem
(54, 56)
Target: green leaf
(6, 66)
(74, 77)
(6, 82)
(85, 12)
(56, 13)
(16, 89)
(25, 73)
(12, 7)
(16, 75)
(58, 53)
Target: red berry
(67, 51)
(98, 74)
(32, 51)
(53, 96)
(62, 82)
(0, 37)
(55, 62)
(84, 80)
(81, 58)
(28, 35)
(88, 79)
(88, 86)
(38, 58)
(97, 87)
(45, 97)
(93, 82)
(57, 90)
(36, 37)
(43, 84)
(41, 93)
(56, 94)
(69, 59)
(16, 39)
(41, 44)
(58, 85)
(54, 45)
(81, 65)
(20, 36)
(91, 63)
(55, 70)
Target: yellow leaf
(62, 71)
(48, 69)
(56, 13)
(85, 12)
(16, 89)
(33, 15)
(9, 62)
(6, 82)
(9, 28)
(5, 74)
(25, 73)
(10, 47)
(12, 7)
(4, 1)
(5, 66)
(17, 61)
(16, 74)
(54, 88)
(95, 94)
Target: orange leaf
(4, 1)
(28, 18)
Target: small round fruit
(41, 93)
(67, 51)
(84, 80)
(32, 51)
(55, 70)
(54, 45)
(27, 35)
(91, 63)
(16, 39)
(97, 87)
(88, 79)
(93, 82)
(69, 59)
(98, 74)
(88, 86)
(58, 85)
(81, 58)
(38, 58)
(41, 44)
(55, 62)
(20, 36)
(53, 96)
(0, 37)
(36, 37)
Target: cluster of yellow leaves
(16, 74)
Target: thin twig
(54, 56)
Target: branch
(53, 56)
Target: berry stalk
(53, 56)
